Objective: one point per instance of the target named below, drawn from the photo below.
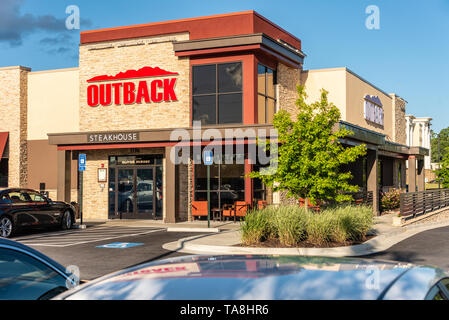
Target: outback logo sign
(128, 92)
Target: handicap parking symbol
(120, 245)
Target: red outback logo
(144, 91)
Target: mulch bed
(304, 244)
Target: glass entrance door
(145, 191)
(136, 194)
(124, 192)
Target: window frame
(265, 94)
(217, 93)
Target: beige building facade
(136, 85)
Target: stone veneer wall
(113, 57)
(13, 119)
(399, 122)
(288, 79)
(185, 192)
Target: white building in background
(418, 134)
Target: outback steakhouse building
(136, 84)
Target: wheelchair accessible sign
(120, 245)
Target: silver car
(267, 278)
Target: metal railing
(420, 202)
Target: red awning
(3, 139)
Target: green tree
(444, 144)
(310, 155)
(443, 172)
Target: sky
(407, 55)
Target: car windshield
(24, 277)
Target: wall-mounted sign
(102, 175)
(129, 92)
(112, 137)
(373, 110)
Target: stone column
(421, 176)
(64, 175)
(171, 188)
(372, 170)
(411, 174)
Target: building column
(372, 171)
(171, 188)
(411, 174)
(64, 175)
(248, 183)
(421, 176)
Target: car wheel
(66, 221)
(6, 227)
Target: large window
(227, 182)
(266, 95)
(217, 93)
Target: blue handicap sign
(82, 162)
(120, 245)
(208, 157)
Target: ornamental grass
(292, 225)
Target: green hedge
(292, 225)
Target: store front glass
(135, 187)
(227, 182)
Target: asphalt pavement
(430, 247)
(125, 247)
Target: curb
(208, 230)
(375, 245)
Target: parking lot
(60, 239)
(99, 250)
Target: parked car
(26, 274)
(266, 277)
(26, 208)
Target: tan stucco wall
(356, 90)
(13, 119)
(53, 102)
(347, 92)
(113, 58)
(332, 80)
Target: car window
(4, 198)
(23, 277)
(36, 197)
(16, 196)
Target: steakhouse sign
(128, 92)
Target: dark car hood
(259, 277)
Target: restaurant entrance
(135, 187)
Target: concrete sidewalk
(228, 242)
(192, 226)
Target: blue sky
(408, 55)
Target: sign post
(81, 169)
(208, 160)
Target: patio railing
(420, 202)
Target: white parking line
(66, 239)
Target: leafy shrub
(292, 225)
(390, 200)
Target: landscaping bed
(275, 243)
(293, 226)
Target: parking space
(99, 250)
(60, 239)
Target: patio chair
(199, 209)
